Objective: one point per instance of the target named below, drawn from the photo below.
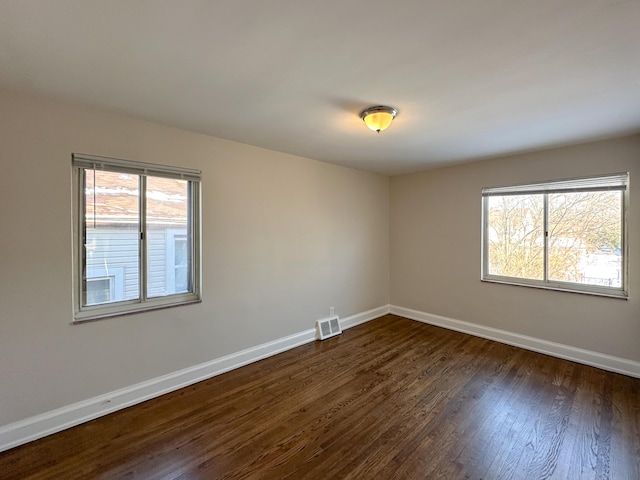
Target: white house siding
(113, 252)
(157, 245)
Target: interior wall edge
(567, 352)
(44, 424)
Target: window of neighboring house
(564, 235)
(99, 290)
(125, 212)
(177, 261)
(104, 286)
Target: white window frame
(617, 181)
(143, 303)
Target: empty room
(287, 239)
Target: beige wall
(435, 250)
(284, 238)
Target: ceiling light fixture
(378, 118)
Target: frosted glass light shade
(378, 118)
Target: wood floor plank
(625, 463)
(580, 460)
(528, 401)
(389, 399)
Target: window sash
(612, 182)
(85, 163)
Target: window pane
(98, 290)
(169, 237)
(585, 238)
(112, 232)
(516, 236)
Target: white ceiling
(470, 78)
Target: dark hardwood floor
(390, 399)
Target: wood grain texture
(389, 399)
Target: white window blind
(617, 181)
(93, 162)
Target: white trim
(38, 426)
(567, 352)
(363, 317)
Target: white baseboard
(359, 318)
(567, 352)
(44, 424)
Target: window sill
(620, 295)
(99, 314)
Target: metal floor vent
(328, 327)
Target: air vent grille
(328, 327)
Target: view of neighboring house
(112, 246)
(603, 267)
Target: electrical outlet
(332, 311)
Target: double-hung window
(137, 236)
(564, 235)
